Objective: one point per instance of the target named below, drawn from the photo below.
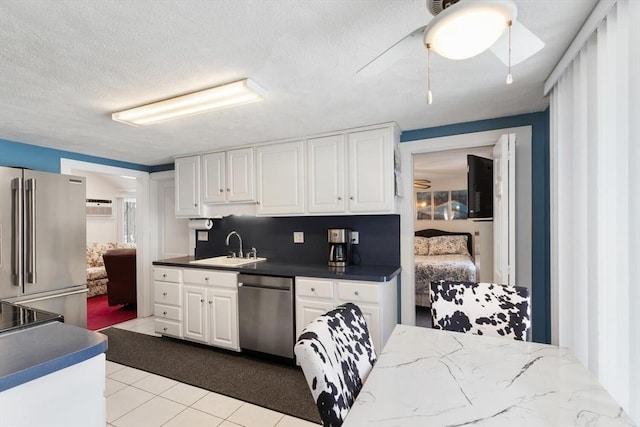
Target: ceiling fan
(462, 29)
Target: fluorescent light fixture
(468, 27)
(216, 98)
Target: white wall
(108, 187)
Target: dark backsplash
(273, 238)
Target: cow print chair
(336, 354)
(481, 308)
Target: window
(129, 220)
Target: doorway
(141, 180)
(407, 204)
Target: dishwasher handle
(265, 282)
(283, 287)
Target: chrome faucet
(239, 238)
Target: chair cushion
(481, 308)
(336, 354)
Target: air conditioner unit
(99, 207)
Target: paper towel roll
(201, 224)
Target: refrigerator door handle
(30, 190)
(16, 192)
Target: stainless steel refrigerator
(43, 242)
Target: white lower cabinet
(378, 302)
(211, 307)
(167, 301)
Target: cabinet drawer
(314, 287)
(167, 275)
(358, 291)
(167, 312)
(211, 277)
(167, 293)
(167, 327)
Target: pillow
(421, 245)
(443, 245)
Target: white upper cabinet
(280, 178)
(348, 172)
(371, 171)
(213, 178)
(326, 174)
(228, 176)
(187, 176)
(240, 175)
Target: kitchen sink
(224, 261)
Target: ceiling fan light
(468, 28)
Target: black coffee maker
(339, 247)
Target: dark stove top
(13, 316)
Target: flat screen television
(480, 186)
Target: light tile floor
(137, 398)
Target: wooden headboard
(432, 232)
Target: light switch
(355, 238)
(203, 236)
(298, 237)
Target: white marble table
(427, 377)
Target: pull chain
(429, 95)
(509, 76)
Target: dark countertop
(372, 273)
(34, 352)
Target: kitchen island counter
(34, 352)
(373, 273)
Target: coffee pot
(339, 247)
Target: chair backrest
(481, 308)
(120, 265)
(336, 354)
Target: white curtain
(595, 205)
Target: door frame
(143, 248)
(407, 205)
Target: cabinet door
(195, 313)
(213, 178)
(223, 315)
(240, 175)
(187, 175)
(326, 174)
(307, 310)
(280, 178)
(371, 171)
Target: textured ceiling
(65, 66)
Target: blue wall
(48, 159)
(540, 204)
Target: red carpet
(100, 315)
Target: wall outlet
(203, 236)
(298, 237)
(355, 237)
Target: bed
(441, 255)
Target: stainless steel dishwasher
(266, 314)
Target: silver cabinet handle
(164, 276)
(195, 205)
(165, 329)
(356, 293)
(339, 198)
(351, 198)
(164, 294)
(201, 300)
(220, 190)
(313, 289)
(206, 279)
(210, 302)
(16, 273)
(164, 312)
(228, 189)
